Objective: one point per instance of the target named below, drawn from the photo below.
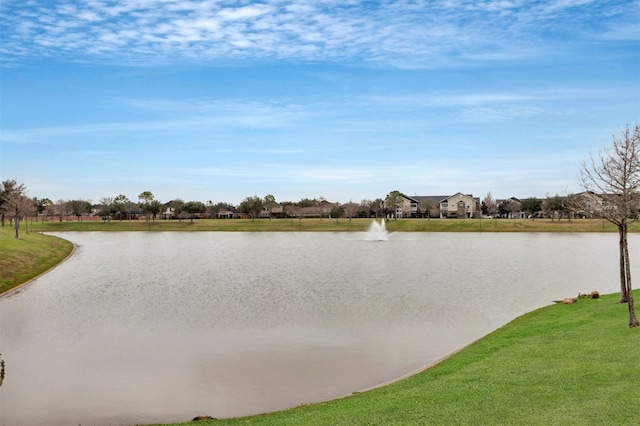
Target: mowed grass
(340, 225)
(559, 365)
(28, 256)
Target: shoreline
(20, 286)
(346, 225)
(411, 374)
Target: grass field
(341, 225)
(28, 256)
(560, 365)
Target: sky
(215, 100)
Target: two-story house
(460, 206)
(408, 207)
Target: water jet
(377, 231)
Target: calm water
(160, 327)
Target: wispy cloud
(418, 33)
(367, 114)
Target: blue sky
(348, 100)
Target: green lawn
(560, 365)
(28, 256)
(341, 225)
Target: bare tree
(615, 175)
(7, 188)
(323, 207)
(351, 209)
(365, 208)
(489, 205)
(29, 209)
(14, 202)
(425, 207)
(63, 208)
(292, 210)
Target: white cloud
(246, 12)
(420, 33)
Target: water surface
(161, 327)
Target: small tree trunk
(623, 264)
(633, 321)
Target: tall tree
(144, 200)
(7, 189)
(14, 202)
(615, 175)
(106, 208)
(177, 209)
(121, 204)
(554, 206)
(377, 206)
(252, 205)
(269, 203)
(193, 209)
(322, 206)
(393, 202)
(351, 209)
(489, 205)
(154, 208)
(531, 205)
(425, 207)
(79, 208)
(337, 211)
(62, 209)
(44, 207)
(365, 208)
(504, 208)
(49, 209)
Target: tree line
(16, 205)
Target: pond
(162, 327)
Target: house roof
(434, 199)
(409, 198)
(445, 198)
(502, 200)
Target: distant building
(460, 206)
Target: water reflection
(162, 327)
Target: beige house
(460, 206)
(513, 208)
(589, 204)
(407, 208)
